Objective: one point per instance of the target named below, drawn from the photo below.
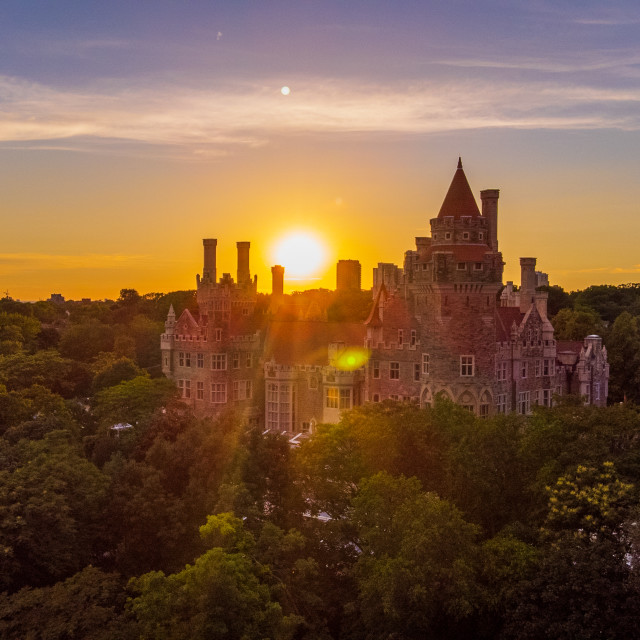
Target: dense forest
(398, 522)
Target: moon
(285, 91)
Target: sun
(301, 253)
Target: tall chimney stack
(489, 199)
(243, 262)
(277, 280)
(527, 282)
(209, 269)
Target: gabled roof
(459, 200)
(506, 317)
(306, 342)
(187, 324)
(374, 319)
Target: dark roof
(306, 341)
(506, 317)
(575, 346)
(459, 200)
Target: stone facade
(442, 325)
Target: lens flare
(351, 359)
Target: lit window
(332, 397)
(219, 361)
(425, 364)
(467, 366)
(394, 370)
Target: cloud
(205, 123)
(611, 270)
(25, 262)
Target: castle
(443, 325)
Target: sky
(129, 131)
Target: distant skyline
(130, 131)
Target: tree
(50, 509)
(85, 341)
(570, 324)
(220, 596)
(623, 350)
(87, 606)
(417, 570)
(586, 583)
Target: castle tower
(209, 268)
(457, 277)
(244, 276)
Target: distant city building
(444, 325)
(56, 298)
(348, 275)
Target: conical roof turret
(459, 200)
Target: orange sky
(128, 136)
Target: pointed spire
(171, 314)
(459, 200)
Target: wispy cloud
(208, 122)
(25, 262)
(608, 270)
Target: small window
(375, 365)
(467, 366)
(416, 371)
(219, 392)
(376, 397)
(219, 361)
(484, 410)
(447, 235)
(501, 403)
(477, 266)
(462, 266)
(218, 334)
(200, 361)
(249, 360)
(413, 338)
(425, 364)
(236, 360)
(524, 402)
(400, 337)
(480, 236)
(200, 390)
(181, 358)
(524, 369)
(187, 389)
(394, 370)
(465, 235)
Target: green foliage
(133, 400)
(114, 372)
(623, 350)
(417, 570)
(350, 306)
(220, 596)
(609, 301)
(557, 299)
(50, 509)
(17, 332)
(570, 324)
(85, 341)
(87, 606)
